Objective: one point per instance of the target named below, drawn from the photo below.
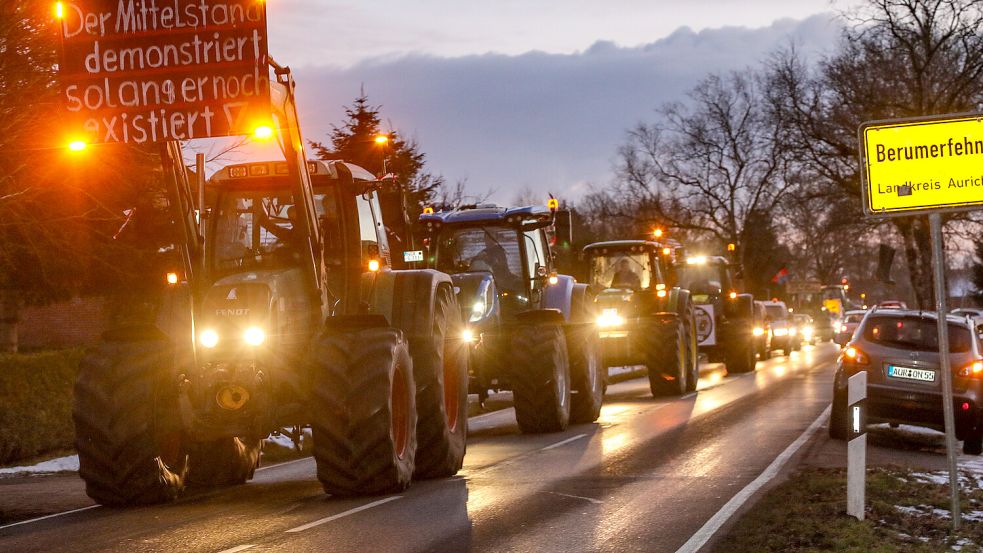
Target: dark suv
(900, 352)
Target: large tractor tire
(132, 450)
(223, 462)
(440, 368)
(586, 375)
(739, 355)
(363, 412)
(688, 318)
(664, 347)
(540, 378)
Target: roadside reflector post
(938, 267)
(856, 468)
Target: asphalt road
(647, 476)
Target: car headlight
(610, 318)
(758, 331)
(208, 338)
(781, 332)
(254, 336)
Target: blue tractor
(532, 331)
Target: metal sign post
(856, 468)
(938, 268)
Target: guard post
(856, 468)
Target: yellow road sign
(920, 165)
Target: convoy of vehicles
(899, 350)
(531, 330)
(642, 319)
(806, 328)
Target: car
(784, 335)
(760, 332)
(806, 327)
(898, 348)
(892, 304)
(851, 319)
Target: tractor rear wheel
(740, 356)
(363, 412)
(540, 378)
(587, 378)
(131, 447)
(665, 356)
(688, 318)
(223, 462)
(440, 368)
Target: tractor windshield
(621, 270)
(491, 249)
(254, 229)
(703, 279)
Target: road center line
(49, 516)
(344, 514)
(700, 538)
(238, 548)
(564, 442)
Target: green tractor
(285, 313)
(725, 319)
(643, 319)
(531, 329)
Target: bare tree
(709, 166)
(899, 58)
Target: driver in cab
(624, 277)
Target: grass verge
(906, 512)
(36, 403)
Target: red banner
(150, 70)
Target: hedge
(36, 403)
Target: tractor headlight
(477, 311)
(781, 332)
(254, 336)
(807, 332)
(208, 338)
(610, 318)
(758, 331)
(467, 335)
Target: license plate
(908, 373)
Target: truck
(530, 328)
(642, 319)
(283, 312)
(724, 316)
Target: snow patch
(922, 511)
(61, 464)
(961, 543)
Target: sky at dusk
(534, 94)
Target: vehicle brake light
(973, 370)
(965, 406)
(855, 356)
(843, 328)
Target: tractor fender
(678, 299)
(740, 308)
(412, 300)
(560, 295)
(581, 304)
(541, 316)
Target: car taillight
(854, 356)
(972, 370)
(842, 328)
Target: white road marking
(50, 516)
(238, 548)
(564, 442)
(591, 499)
(344, 514)
(283, 464)
(484, 416)
(700, 538)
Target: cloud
(551, 122)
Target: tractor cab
(630, 275)
(709, 278)
(498, 255)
